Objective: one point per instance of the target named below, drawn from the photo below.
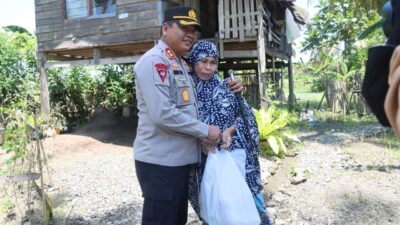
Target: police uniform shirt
(168, 129)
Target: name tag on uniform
(178, 72)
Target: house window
(76, 8)
(89, 8)
(101, 7)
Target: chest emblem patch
(162, 70)
(185, 95)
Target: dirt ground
(336, 177)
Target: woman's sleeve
(240, 124)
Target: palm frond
(371, 29)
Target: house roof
(281, 5)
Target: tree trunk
(335, 92)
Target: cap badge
(192, 14)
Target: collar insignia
(169, 53)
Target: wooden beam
(44, 86)
(240, 54)
(227, 18)
(241, 18)
(261, 56)
(98, 40)
(275, 53)
(221, 18)
(291, 85)
(90, 62)
(96, 55)
(241, 66)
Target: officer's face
(179, 38)
(205, 68)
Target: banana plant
(273, 132)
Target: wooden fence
(238, 19)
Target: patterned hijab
(201, 50)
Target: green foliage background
(74, 92)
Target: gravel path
(339, 180)
(95, 183)
(335, 179)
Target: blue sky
(22, 12)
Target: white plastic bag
(225, 198)
(292, 29)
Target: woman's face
(205, 68)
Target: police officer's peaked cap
(183, 15)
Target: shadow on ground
(359, 209)
(123, 214)
(107, 127)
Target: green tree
(19, 87)
(339, 23)
(18, 70)
(365, 5)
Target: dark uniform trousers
(165, 192)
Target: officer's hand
(214, 134)
(207, 146)
(235, 85)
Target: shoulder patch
(162, 70)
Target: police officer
(168, 132)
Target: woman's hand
(235, 85)
(227, 137)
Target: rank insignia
(174, 65)
(187, 67)
(169, 53)
(161, 70)
(185, 95)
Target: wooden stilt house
(249, 33)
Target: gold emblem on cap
(192, 14)
(185, 95)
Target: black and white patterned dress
(218, 106)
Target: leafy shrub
(116, 87)
(273, 132)
(72, 92)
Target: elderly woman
(218, 106)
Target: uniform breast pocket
(184, 92)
